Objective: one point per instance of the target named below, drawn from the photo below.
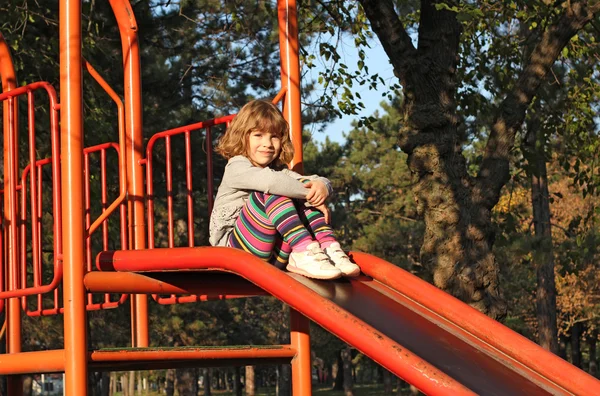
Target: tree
(456, 205)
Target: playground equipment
(419, 333)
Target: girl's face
(263, 148)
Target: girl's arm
(304, 178)
(240, 174)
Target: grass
(318, 390)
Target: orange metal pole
(11, 169)
(290, 82)
(290, 75)
(71, 122)
(134, 153)
(301, 364)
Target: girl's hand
(325, 210)
(318, 193)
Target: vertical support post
(290, 78)
(71, 124)
(134, 152)
(11, 215)
(290, 75)
(301, 365)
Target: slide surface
(415, 330)
(426, 335)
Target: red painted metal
(2, 259)
(10, 214)
(132, 83)
(350, 329)
(146, 358)
(290, 75)
(210, 187)
(108, 301)
(302, 364)
(19, 265)
(504, 341)
(290, 93)
(207, 286)
(107, 211)
(75, 323)
(38, 289)
(166, 136)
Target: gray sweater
(239, 180)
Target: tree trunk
(131, 383)
(250, 384)
(207, 374)
(140, 383)
(284, 382)
(543, 257)
(113, 383)
(387, 382)
(27, 385)
(170, 382)
(576, 345)
(348, 380)
(457, 245)
(593, 367)
(237, 381)
(338, 373)
(185, 382)
(457, 248)
(125, 385)
(105, 384)
(400, 383)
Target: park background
(203, 59)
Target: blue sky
(377, 62)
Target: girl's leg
(281, 253)
(283, 214)
(324, 235)
(319, 228)
(269, 227)
(253, 231)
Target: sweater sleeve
(240, 174)
(323, 180)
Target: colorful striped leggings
(269, 226)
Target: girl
(268, 210)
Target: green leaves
(464, 13)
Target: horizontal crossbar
(209, 285)
(118, 359)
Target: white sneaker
(341, 260)
(313, 263)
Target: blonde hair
(258, 115)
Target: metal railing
(152, 153)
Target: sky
(377, 62)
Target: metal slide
(418, 332)
(428, 336)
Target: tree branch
(494, 172)
(392, 35)
(439, 35)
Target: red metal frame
(35, 196)
(150, 193)
(72, 243)
(11, 161)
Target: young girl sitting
(268, 210)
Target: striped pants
(269, 226)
